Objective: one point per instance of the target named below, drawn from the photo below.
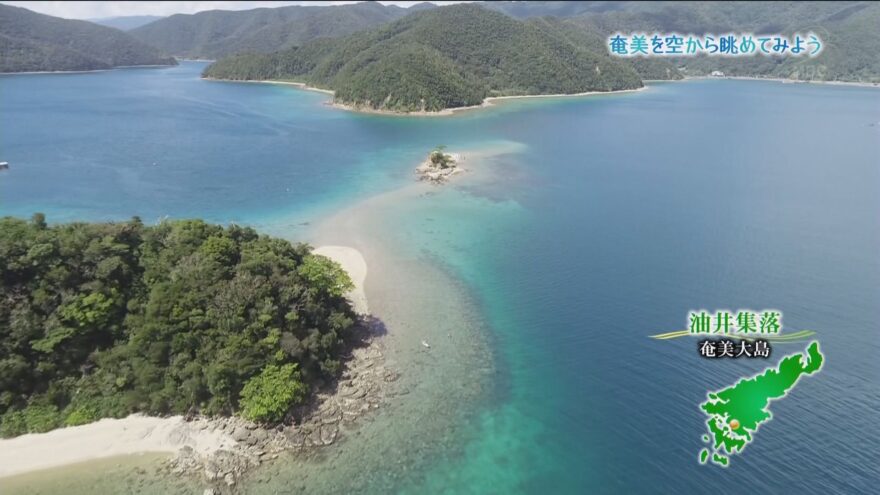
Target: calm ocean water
(618, 215)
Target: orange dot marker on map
(734, 424)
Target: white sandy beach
(138, 433)
(785, 81)
(352, 261)
(487, 102)
(280, 83)
(107, 438)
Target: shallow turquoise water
(638, 209)
(616, 217)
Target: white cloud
(99, 10)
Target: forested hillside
(562, 9)
(37, 42)
(849, 29)
(647, 68)
(126, 22)
(440, 58)
(217, 33)
(101, 320)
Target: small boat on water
(4, 165)
(426, 345)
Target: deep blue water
(156, 142)
(621, 214)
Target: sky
(100, 10)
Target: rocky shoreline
(439, 167)
(361, 388)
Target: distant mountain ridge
(217, 33)
(35, 42)
(128, 22)
(850, 29)
(447, 57)
(526, 10)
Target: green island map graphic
(736, 412)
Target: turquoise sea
(604, 220)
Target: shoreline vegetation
(108, 437)
(439, 59)
(489, 101)
(421, 302)
(220, 451)
(216, 445)
(440, 166)
(857, 84)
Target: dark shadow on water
(371, 326)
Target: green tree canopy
(441, 58)
(106, 319)
(269, 395)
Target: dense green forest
(37, 42)
(525, 9)
(452, 56)
(33, 42)
(647, 68)
(440, 58)
(218, 33)
(102, 320)
(126, 22)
